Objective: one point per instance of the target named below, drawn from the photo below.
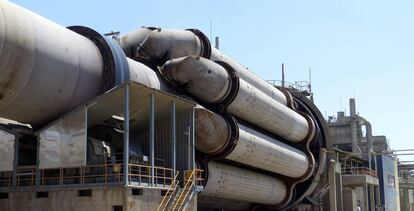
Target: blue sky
(361, 49)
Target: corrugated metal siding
(388, 194)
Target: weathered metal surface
(259, 109)
(63, 144)
(44, 67)
(144, 75)
(232, 182)
(253, 148)
(7, 142)
(210, 85)
(159, 45)
(249, 76)
(264, 152)
(219, 203)
(209, 82)
(211, 131)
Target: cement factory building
(159, 119)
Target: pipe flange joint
(205, 43)
(115, 64)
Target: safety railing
(6, 179)
(169, 194)
(192, 178)
(198, 176)
(90, 174)
(358, 170)
(142, 174)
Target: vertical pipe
(352, 107)
(283, 75)
(332, 186)
(189, 144)
(37, 183)
(173, 136)
(15, 161)
(152, 129)
(192, 135)
(217, 42)
(126, 134)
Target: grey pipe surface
(252, 148)
(249, 76)
(44, 68)
(210, 82)
(157, 45)
(47, 70)
(235, 183)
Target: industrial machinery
(259, 146)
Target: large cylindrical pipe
(47, 70)
(212, 203)
(210, 82)
(42, 60)
(157, 45)
(249, 76)
(213, 134)
(232, 182)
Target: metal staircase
(191, 179)
(178, 198)
(172, 191)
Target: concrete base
(101, 199)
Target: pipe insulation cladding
(211, 83)
(47, 70)
(232, 182)
(156, 45)
(252, 148)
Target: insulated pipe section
(213, 134)
(249, 76)
(47, 70)
(235, 183)
(44, 67)
(158, 45)
(211, 83)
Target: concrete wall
(102, 199)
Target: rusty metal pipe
(235, 183)
(211, 83)
(213, 135)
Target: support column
(152, 136)
(37, 179)
(15, 161)
(332, 186)
(366, 196)
(371, 197)
(192, 135)
(173, 138)
(126, 135)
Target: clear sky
(355, 48)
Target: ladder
(185, 194)
(171, 192)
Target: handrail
(104, 173)
(358, 170)
(168, 195)
(191, 178)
